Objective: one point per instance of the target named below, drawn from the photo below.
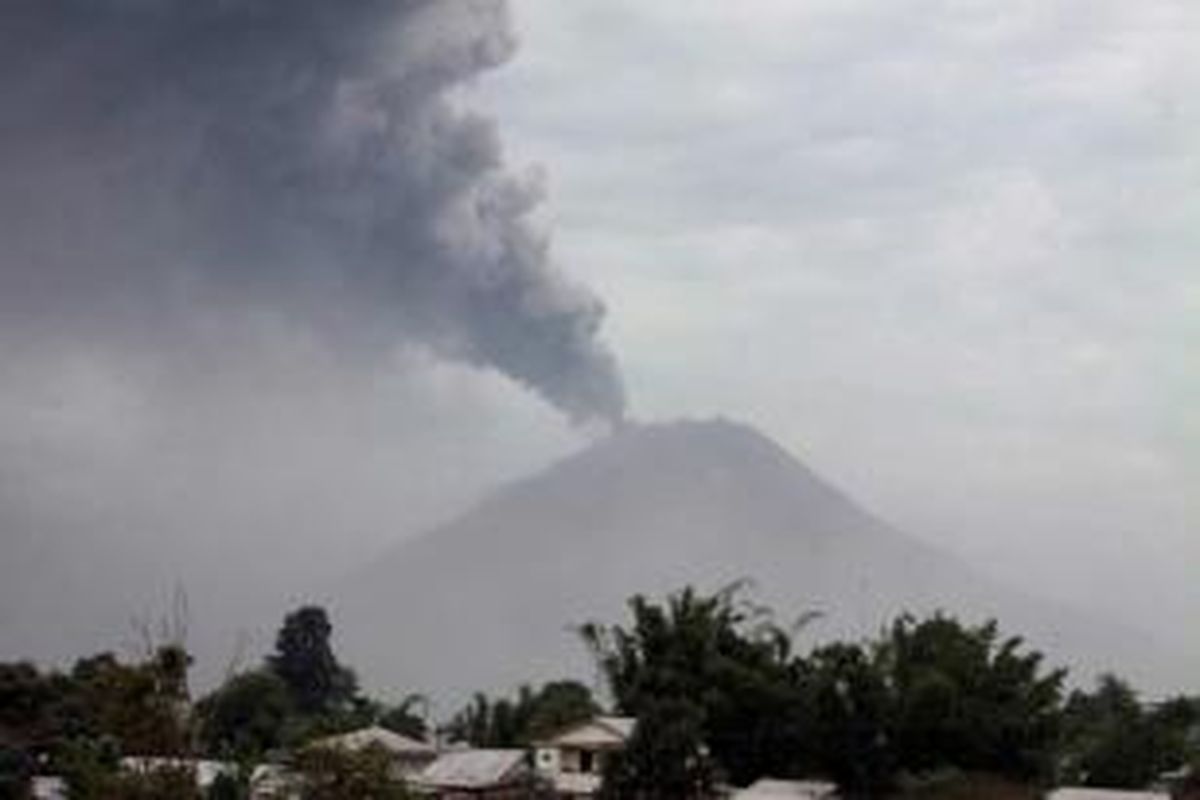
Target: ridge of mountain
(488, 599)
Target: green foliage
(1112, 740)
(967, 698)
(727, 660)
(16, 770)
(300, 693)
(666, 758)
(229, 787)
(161, 783)
(247, 715)
(926, 695)
(558, 705)
(83, 721)
(931, 708)
(32, 705)
(304, 660)
(143, 706)
(337, 774)
(524, 719)
(850, 705)
(404, 719)
(89, 767)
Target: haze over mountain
(489, 599)
(285, 282)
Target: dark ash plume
(304, 157)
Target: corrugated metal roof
(363, 738)
(597, 732)
(48, 787)
(206, 770)
(769, 789)
(473, 769)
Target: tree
(850, 704)
(327, 773)
(665, 759)
(558, 705)
(519, 721)
(723, 656)
(16, 772)
(304, 660)
(403, 719)
(1111, 740)
(31, 706)
(247, 716)
(1189, 786)
(968, 698)
(143, 706)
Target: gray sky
(944, 251)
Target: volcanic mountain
(490, 599)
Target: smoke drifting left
(167, 160)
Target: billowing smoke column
(303, 157)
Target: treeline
(722, 696)
(720, 690)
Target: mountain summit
(490, 599)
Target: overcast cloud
(944, 250)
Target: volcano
(491, 599)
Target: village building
(48, 787)
(573, 760)
(771, 789)
(476, 775)
(409, 756)
(206, 771)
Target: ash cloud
(168, 162)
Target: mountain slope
(488, 599)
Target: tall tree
(666, 759)
(850, 704)
(1111, 739)
(304, 659)
(247, 716)
(724, 657)
(969, 698)
(558, 705)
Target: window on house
(585, 761)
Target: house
(476, 775)
(267, 781)
(409, 756)
(205, 771)
(770, 789)
(273, 782)
(48, 787)
(573, 760)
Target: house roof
(1079, 793)
(596, 732)
(770, 789)
(48, 787)
(473, 769)
(375, 736)
(206, 770)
